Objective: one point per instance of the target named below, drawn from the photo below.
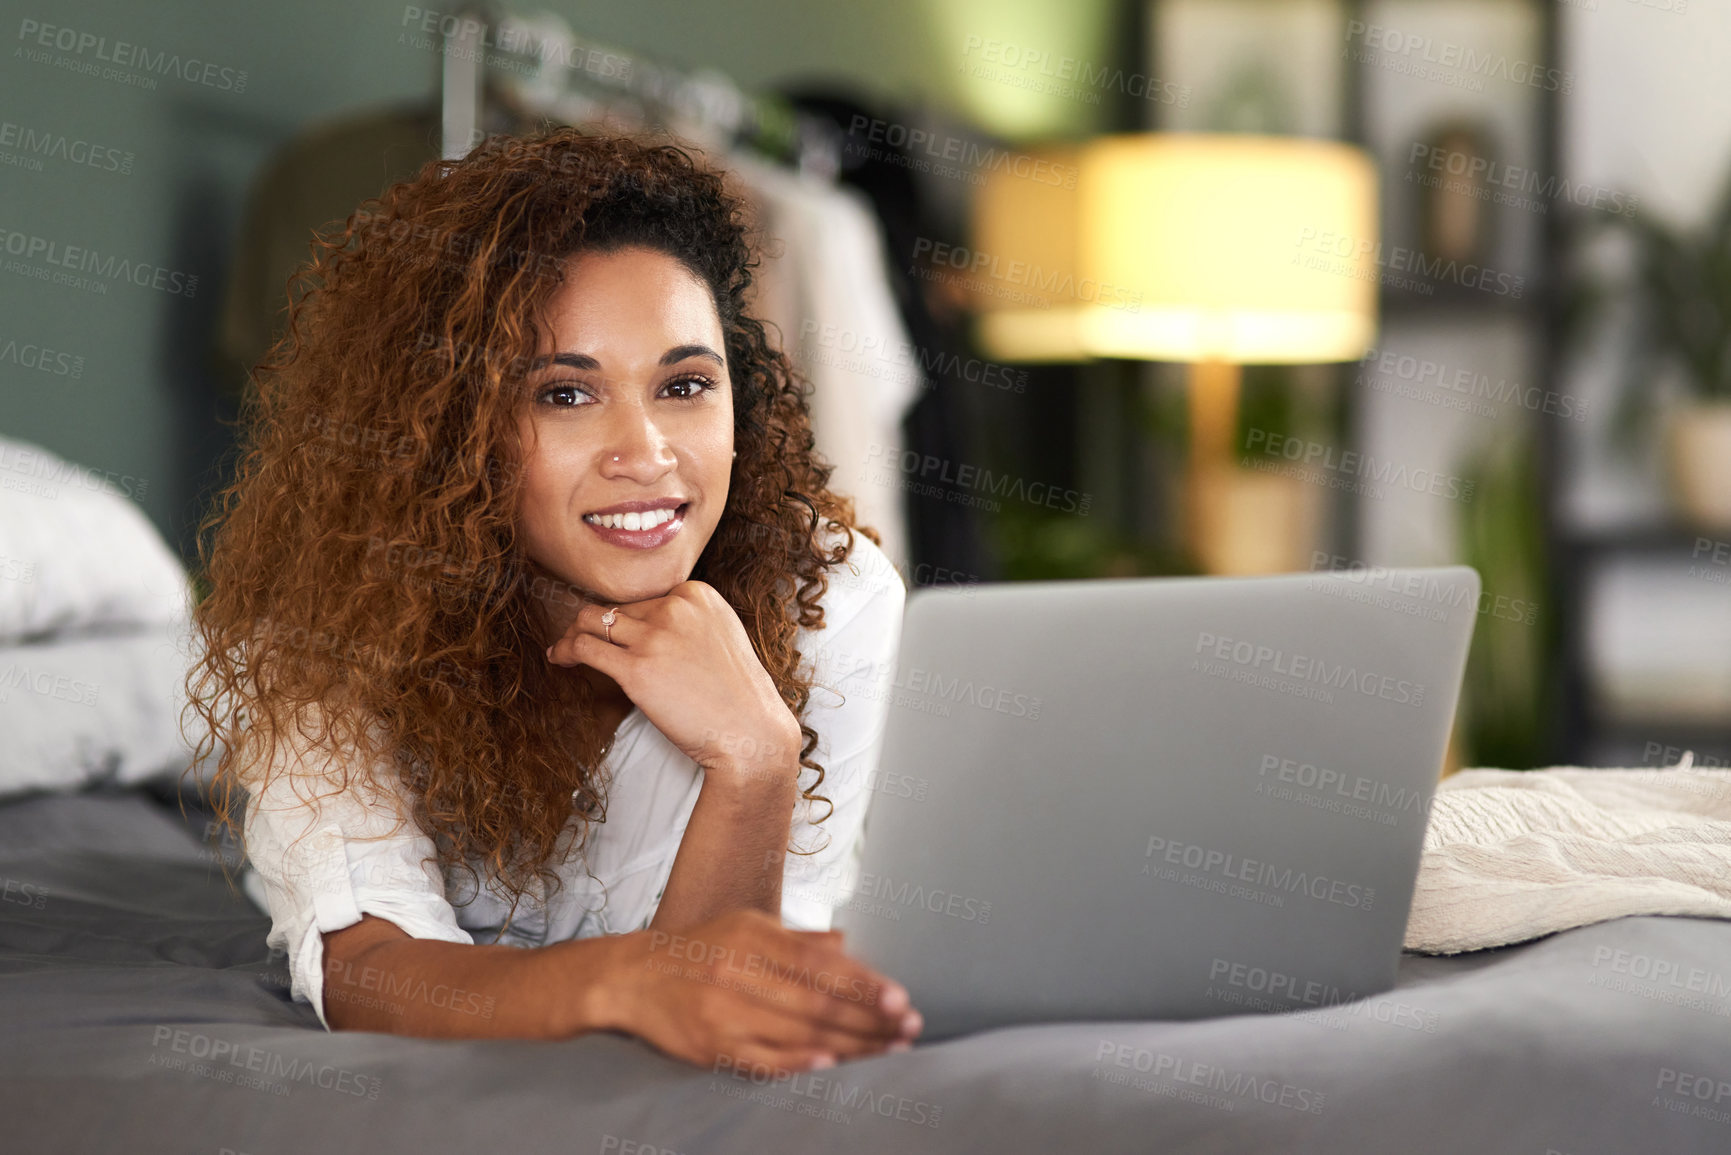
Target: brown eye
(705, 385)
(563, 392)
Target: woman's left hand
(684, 659)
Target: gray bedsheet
(140, 1013)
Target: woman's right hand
(742, 990)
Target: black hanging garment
(943, 534)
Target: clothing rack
(543, 61)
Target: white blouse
(338, 871)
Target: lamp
(1218, 250)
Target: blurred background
(1089, 288)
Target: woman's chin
(624, 592)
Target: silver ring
(607, 620)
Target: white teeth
(637, 521)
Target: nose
(633, 446)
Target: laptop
(1156, 798)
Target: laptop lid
(1157, 797)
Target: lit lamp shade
(1179, 247)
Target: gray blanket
(141, 1013)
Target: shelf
(1650, 539)
(1705, 739)
(1456, 302)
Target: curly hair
(365, 579)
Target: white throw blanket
(1512, 855)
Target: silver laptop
(1156, 798)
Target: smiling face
(627, 430)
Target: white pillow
(76, 554)
(100, 708)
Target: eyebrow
(673, 356)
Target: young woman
(533, 635)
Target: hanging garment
(947, 533)
(823, 283)
(320, 177)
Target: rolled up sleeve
(853, 662)
(326, 858)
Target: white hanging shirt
(825, 284)
(337, 872)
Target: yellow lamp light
(1184, 247)
(1217, 250)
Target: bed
(142, 1013)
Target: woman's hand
(686, 662)
(744, 992)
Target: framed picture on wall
(1260, 66)
(1452, 99)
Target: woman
(517, 606)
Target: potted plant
(1682, 301)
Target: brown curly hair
(363, 568)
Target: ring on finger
(607, 620)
